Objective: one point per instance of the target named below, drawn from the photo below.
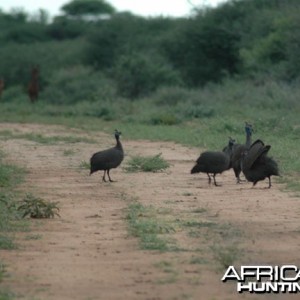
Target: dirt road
(88, 253)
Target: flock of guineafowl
(250, 158)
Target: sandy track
(87, 253)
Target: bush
(139, 75)
(147, 164)
(164, 119)
(79, 83)
(171, 95)
(195, 111)
(38, 208)
(17, 60)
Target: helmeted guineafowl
(237, 151)
(108, 159)
(228, 149)
(256, 165)
(213, 162)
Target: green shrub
(147, 164)
(76, 84)
(164, 119)
(6, 242)
(171, 95)
(38, 208)
(193, 111)
(138, 75)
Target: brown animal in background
(33, 88)
(1, 86)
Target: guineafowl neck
(119, 145)
(248, 140)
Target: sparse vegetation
(192, 81)
(147, 164)
(226, 256)
(6, 295)
(69, 152)
(10, 175)
(2, 271)
(41, 139)
(144, 224)
(38, 208)
(84, 165)
(171, 274)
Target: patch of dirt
(88, 253)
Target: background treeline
(123, 55)
(193, 80)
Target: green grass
(6, 295)
(147, 164)
(144, 224)
(10, 175)
(199, 224)
(198, 260)
(3, 272)
(169, 270)
(84, 165)
(6, 242)
(226, 255)
(68, 152)
(41, 139)
(33, 237)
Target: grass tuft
(147, 164)
(226, 256)
(144, 224)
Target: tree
(138, 75)
(82, 8)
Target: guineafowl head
(248, 129)
(117, 134)
(231, 142)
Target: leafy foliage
(138, 75)
(147, 164)
(137, 56)
(88, 7)
(38, 208)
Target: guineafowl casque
(237, 151)
(213, 162)
(256, 165)
(108, 159)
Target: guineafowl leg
(209, 179)
(103, 178)
(254, 183)
(270, 184)
(214, 177)
(109, 176)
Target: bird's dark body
(256, 165)
(238, 150)
(213, 162)
(108, 159)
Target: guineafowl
(108, 159)
(237, 151)
(228, 149)
(213, 162)
(256, 165)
